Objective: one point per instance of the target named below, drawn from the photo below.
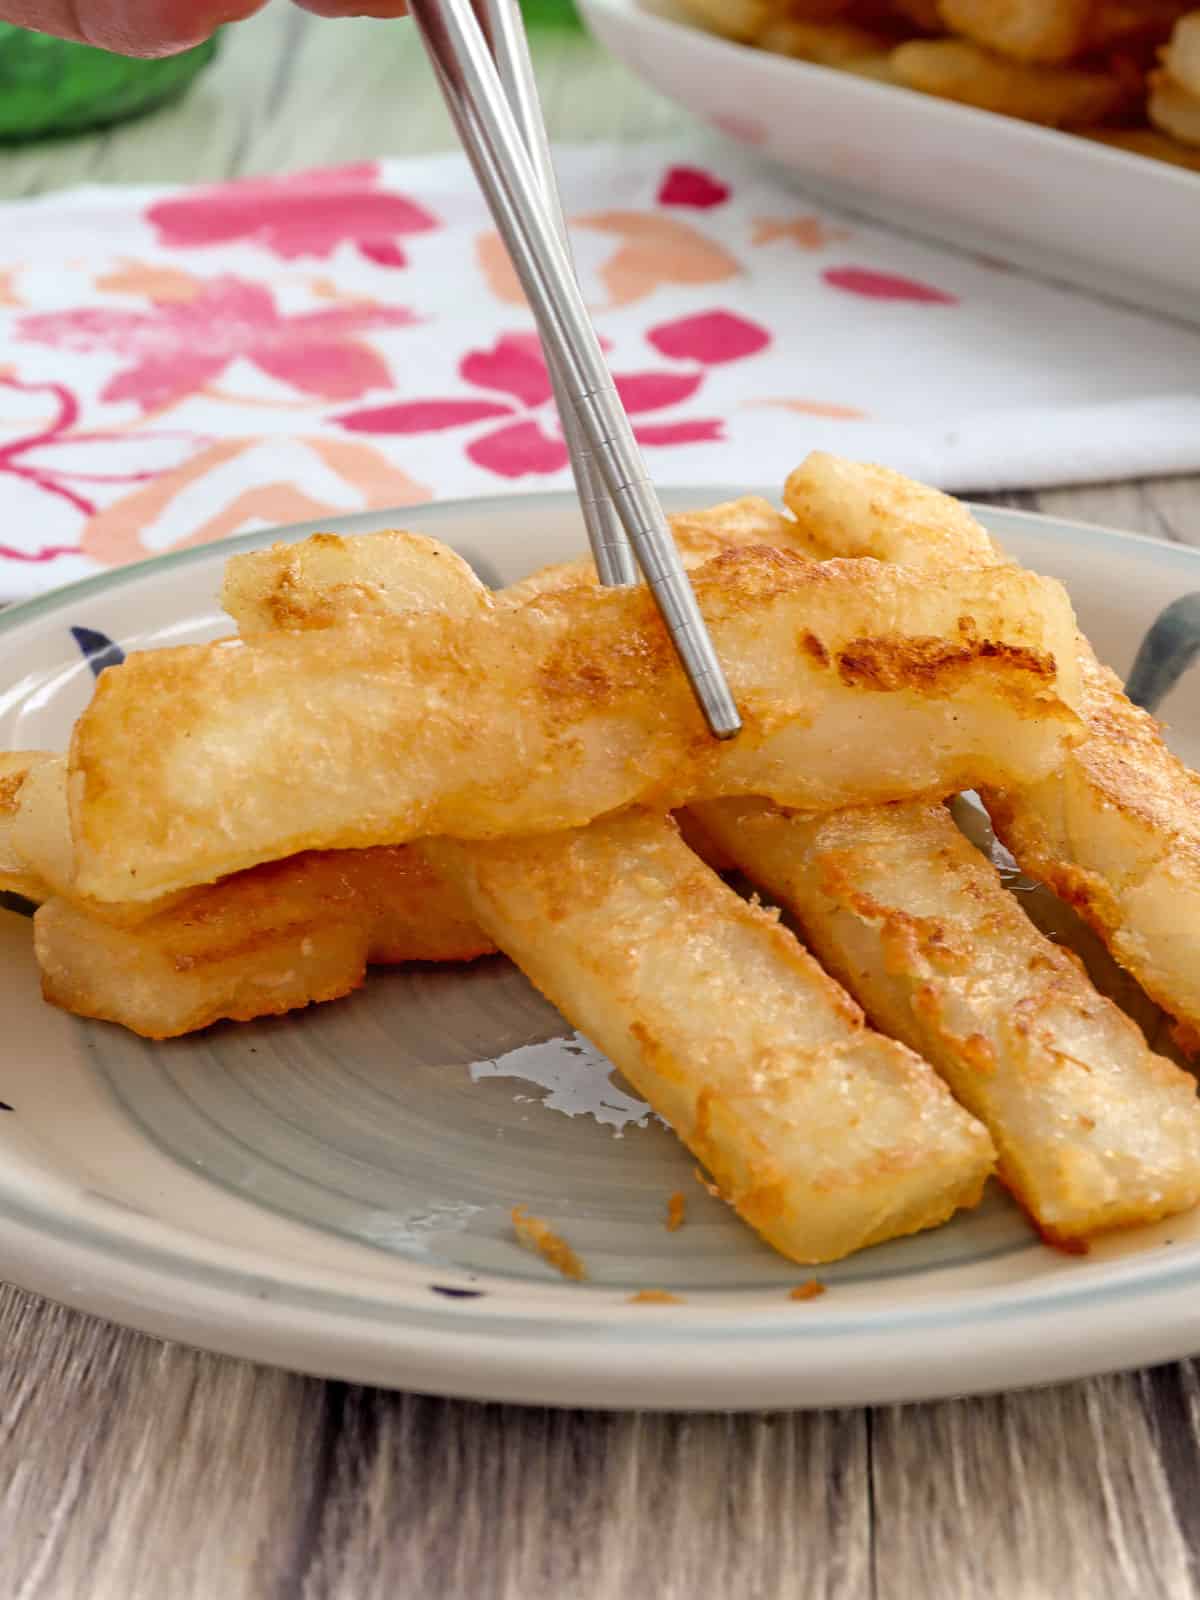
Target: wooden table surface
(131, 1470)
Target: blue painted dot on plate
(97, 649)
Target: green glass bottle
(50, 86)
(551, 14)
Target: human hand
(161, 27)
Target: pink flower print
(304, 214)
(693, 187)
(177, 346)
(711, 337)
(52, 467)
(873, 285)
(529, 441)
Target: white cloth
(180, 365)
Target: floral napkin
(180, 365)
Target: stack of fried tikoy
(1087, 66)
(824, 1135)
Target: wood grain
(138, 1471)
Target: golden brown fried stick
(1174, 110)
(266, 941)
(38, 834)
(1054, 31)
(732, 19)
(16, 874)
(1147, 142)
(1026, 30)
(324, 579)
(824, 1136)
(850, 508)
(1181, 56)
(1094, 1131)
(1115, 829)
(744, 20)
(277, 936)
(829, 44)
(1116, 833)
(1058, 97)
(856, 682)
(314, 583)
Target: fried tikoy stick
(856, 682)
(16, 874)
(745, 19)
(824, 1136)
(1056, 30)
(1147, 142)
(276, 937)
(1115, 830)
(1094, 1131)
(283, 934)
(38, 834)
(1058, 97)
(1174, 110)
(1181, 57)
(256, 944)
(850, 508)
(324, 579)
(1026, 30)
(829, 44)
(314, 583)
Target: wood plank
(136, 1469)
(519, 1503)
(1058, 1493)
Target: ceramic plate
(1050, 202)
(331, 1191)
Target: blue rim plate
(330, 1191)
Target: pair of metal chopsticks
(481, 58)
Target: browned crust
(931, 665)
(538, 686)
(1123, 768)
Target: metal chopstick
(490, 135)
(504, 32)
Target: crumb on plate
(676, 1211)
(807, 1291)
(655, 1297)
(536, 1234)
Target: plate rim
(665, 1363)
